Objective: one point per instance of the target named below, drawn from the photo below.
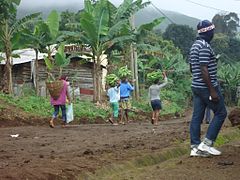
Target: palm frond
(53, 23)
(116, 28)
(19, 24)
(88, 26)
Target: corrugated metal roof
(26, 55)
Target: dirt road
(103, 151)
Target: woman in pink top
(60, 103)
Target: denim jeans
(56, 111)
(200, 101)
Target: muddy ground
(137, 150)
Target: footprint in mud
(26, 161)
(88, 152)
(225, 163)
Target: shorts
(156, 104)
(125, 103)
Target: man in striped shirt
(206, 92)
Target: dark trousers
(56, 111)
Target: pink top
(62, 98)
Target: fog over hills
(148, 14)
(143, 16)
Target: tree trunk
(132, 67)
(8, 84)
(136, 73)
(8, 77)
(36, 78)
(97, 83)
(94, 81)
(98, 80)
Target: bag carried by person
(69, 113)
(55, 88)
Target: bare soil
(86, 151)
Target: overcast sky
(186, 7)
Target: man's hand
(206, 78)
(214, 96)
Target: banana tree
(229, 74)
(10, 33)
(156, 53)
(45, 34)
(60, 61)
(100, 35)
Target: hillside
(148, 14)
(144, 16)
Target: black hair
(156, 81)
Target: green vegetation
(182, 36)
(107, 29)
(40, 106)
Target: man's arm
(207, 80)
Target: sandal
(123, 123)
(51, 124)
(110, 120)
(152, 121)
(64, 124)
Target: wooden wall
(79, 72)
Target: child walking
(125, 92)
(154, 95)
(114, 96)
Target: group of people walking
(205, 88)
(121, 94)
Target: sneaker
(195, 152)
(209, 149)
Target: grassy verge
(40, 106)
(144, 164)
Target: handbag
(69, 113)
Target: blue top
(125, 89)
(113, 94)
(201, 53)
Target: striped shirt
(201, 53)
